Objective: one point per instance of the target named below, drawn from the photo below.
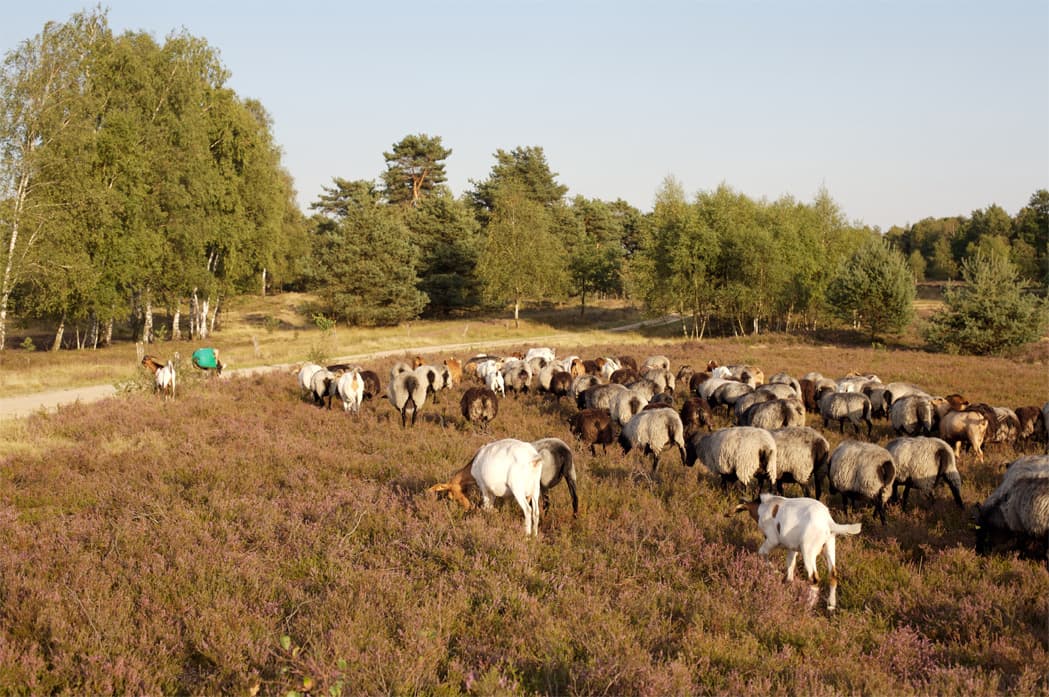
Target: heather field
(239, 540)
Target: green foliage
(447, 238)
(414, 169)
(529, 171)
(989, 312)
(874, 289)
(27, 344)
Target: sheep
(306, 372)
(727, 394)
(922, 462)
(558, 464)
(652, 432)
(323, 385)
(784, 379)
(602, 396)
(455, 371)
(899, 390)
(593, 427)
(958, 423)
(517, 376)
(164, 380)
(625, 405)
(1032, 424)
(400, 367)
(546, 374)
(842, 406)
(609, 366)
(544, 354)
(801, 525)
(479, 405)
(695, 383)
(912, 415)
(494, 382)
(407, 394)
(695, 412)
(560, 384)
(801, 456)
(507, 467)
(624, 376)
(779, 390)
(808, 394)
(684, 375)
(747, 401)
(739, 453)
(706, 388)
(581, 384)
(779, 413)
(879, 407)
(1008, 426)
(1018, 509)
(856, 383)
(862, 469)
(435, 379)
(655, 362)
(749, 374)
(350, 388)
(627, 362)
(663, 379)
(645, 388)
(592, 367)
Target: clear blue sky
(902, 109)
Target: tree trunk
(582, 304)
(147, 321)
(8, 282)
(176, 322)
(108, 339)
(264, 282)
(517, 313)
(92, 332)
(202, 319)
(59, 333)
(215, 316)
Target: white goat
(164, 380)
(494, 381)
(800, 525)
(507, 467)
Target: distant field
(239, 540)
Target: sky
(900, 109)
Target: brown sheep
(455, 370)
(593, 427)
(479, 405)
(695, 412)
(624, 376)
(1032, 424)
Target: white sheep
(407, 394)
(625, 405)
(323, 385)
(739, 453)
(923, 462)
(800, 525)
(436, 378)
(653, 431)
(912, 415)
(306, 376)
(507, 467)
(655, 362)
(862, 469)
(899, 390)
(602, 396)
(543, 353)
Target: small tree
(874, 289)
(989, 313)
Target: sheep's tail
(849, 529)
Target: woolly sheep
(372, 386)
(1032, 424)
(739, 453)
(912, 415)
(504, 468)
(966, 426)
(645, 388)
(655, 362)
(784, 379)
(862, 469)
(545, 354)
(801, 457)
(602, 396)
(1019, 508)
(624, 376)
(684, 375)
(899, 390)
(306, 376)
(609, 366)
(560, 384)
(663, 379)
(435, 378)
(727, 394)
(323, 385)
(581, 384)
(545, 375)
(625, 405)
(856, 383)
(558, 464)
(593, 427)
(1008, 426)
(517, 376)
(779, 390)
(842, 406)
(779, 413)
(653, 431)
(922, 462)
(747, 401)
(407, 394)
(479, 405)
(801, 525)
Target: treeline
(133, 179)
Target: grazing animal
(593, 427)
(494, 382)
(959, 423)
(558, 464)
(560, 384)
(436, 379)
(407, 394)
(912, 415)
(1032, 424)
(323, 384)
(479, 405)
(624, 376)
(739, 453)
(1018, 510)
(804, 526)
(164, 380)
(372, 386)
(854, 407)
(152, 363)
(923, 462)
(455, 371)
(207, 359)
(862, 469)
(802, 454)
(350, 388)
(306, 373)
(778, 413)
(653, 431)
(602, 396)
(504, 468)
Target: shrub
(874, 289)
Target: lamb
(779, 413)
(739, 453)
(801, 525)
(912, 415)
(593, 427)
(507, 467)
(479, 405)
(350, 388)
(802, 454)
(923, 462)
(558, 464)
(407, 394)
(1019, 508)
(862, 469)
(842, 406)
(653, 431)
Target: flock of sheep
(767, 446)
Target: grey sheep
(558, 464)
(862, 469)
(323, 383)
(922, 462)
(479, 405)
(779, 413)
(625, 405)
(747, 401)
(581, 384)
(726, 395)
(645, 388)
(602, 396)
(655, 362)
(407, 394)
(802, 454)
(652, 431)
(662, 377)
(779, 390)
(899, 390)
(785, 379)
(912, 415)
(517, 376)
(1018, 510)
(739, 453)
(841, 406)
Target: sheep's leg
(792, 561)
(906, 493)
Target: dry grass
(240, 538)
